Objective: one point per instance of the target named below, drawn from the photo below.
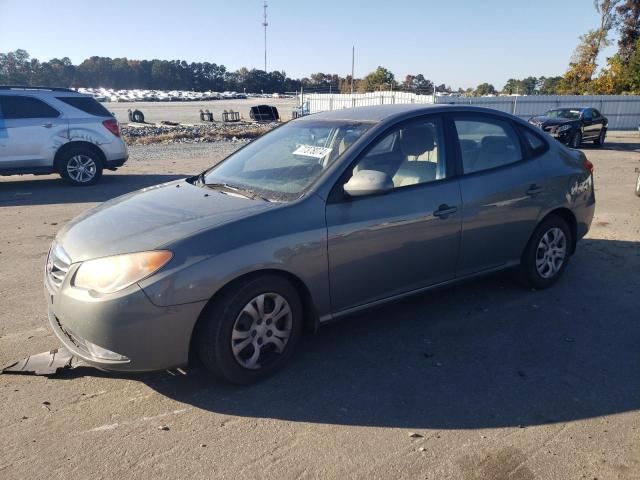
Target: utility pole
(353, 60)
(265, 24)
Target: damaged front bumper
(46, 363)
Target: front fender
(301, 252)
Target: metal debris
(45, 363)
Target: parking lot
(481, 381)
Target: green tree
(583, 64)
(485, 89)
(380, 79)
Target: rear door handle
(444, 211)
(534, 189)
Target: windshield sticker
(311, 151)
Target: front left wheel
(576, 140)
(250, 331)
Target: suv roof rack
(23, 87)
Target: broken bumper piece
(46, 363)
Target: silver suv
(57, 130)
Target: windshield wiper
(235, 189)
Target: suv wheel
(547, 254)
(600, 140)
(250, 332)
(576, 140)
(638, 186)
(80, 166)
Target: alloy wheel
(261, 331)
(81, 168)
(551, 252)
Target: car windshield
(571, 114)
(282, 164)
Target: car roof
(569, 108)
(389, 113)
(21, 90)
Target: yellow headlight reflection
(110, 274)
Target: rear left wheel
(251, 330)
(80, 166)
(547, 254)
(600, 140)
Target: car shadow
(483, 354)
(615, 146)
(48, 190)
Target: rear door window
(18, 106)
(486, 143)
(87, 104)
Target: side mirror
(368, 182)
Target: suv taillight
(112, 125)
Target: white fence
(623, 111)
(321, 102)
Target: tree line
(18, 68)
(620, 75)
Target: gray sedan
(325, 216)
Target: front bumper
(563, 137)
(150, 337)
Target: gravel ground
(189, 112)
(482, 381)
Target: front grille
(58, 264)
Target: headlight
(564, 128)
(110, 274)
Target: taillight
(112, 125)
(588, 165)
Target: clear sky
(459, 42)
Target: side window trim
(336, 194)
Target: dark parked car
(572, 126)
(325, 216)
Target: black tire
(91, 161)
(202, 118)
(213, 336)
(638, 186)
(576, 140)
(600, 140)
(529, 272)
(137, 116)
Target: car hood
(152, 218)
(543, 121)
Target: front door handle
(444, 211)
(534, 189)
(47, 125)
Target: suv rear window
(87, 104)
(17, 106)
